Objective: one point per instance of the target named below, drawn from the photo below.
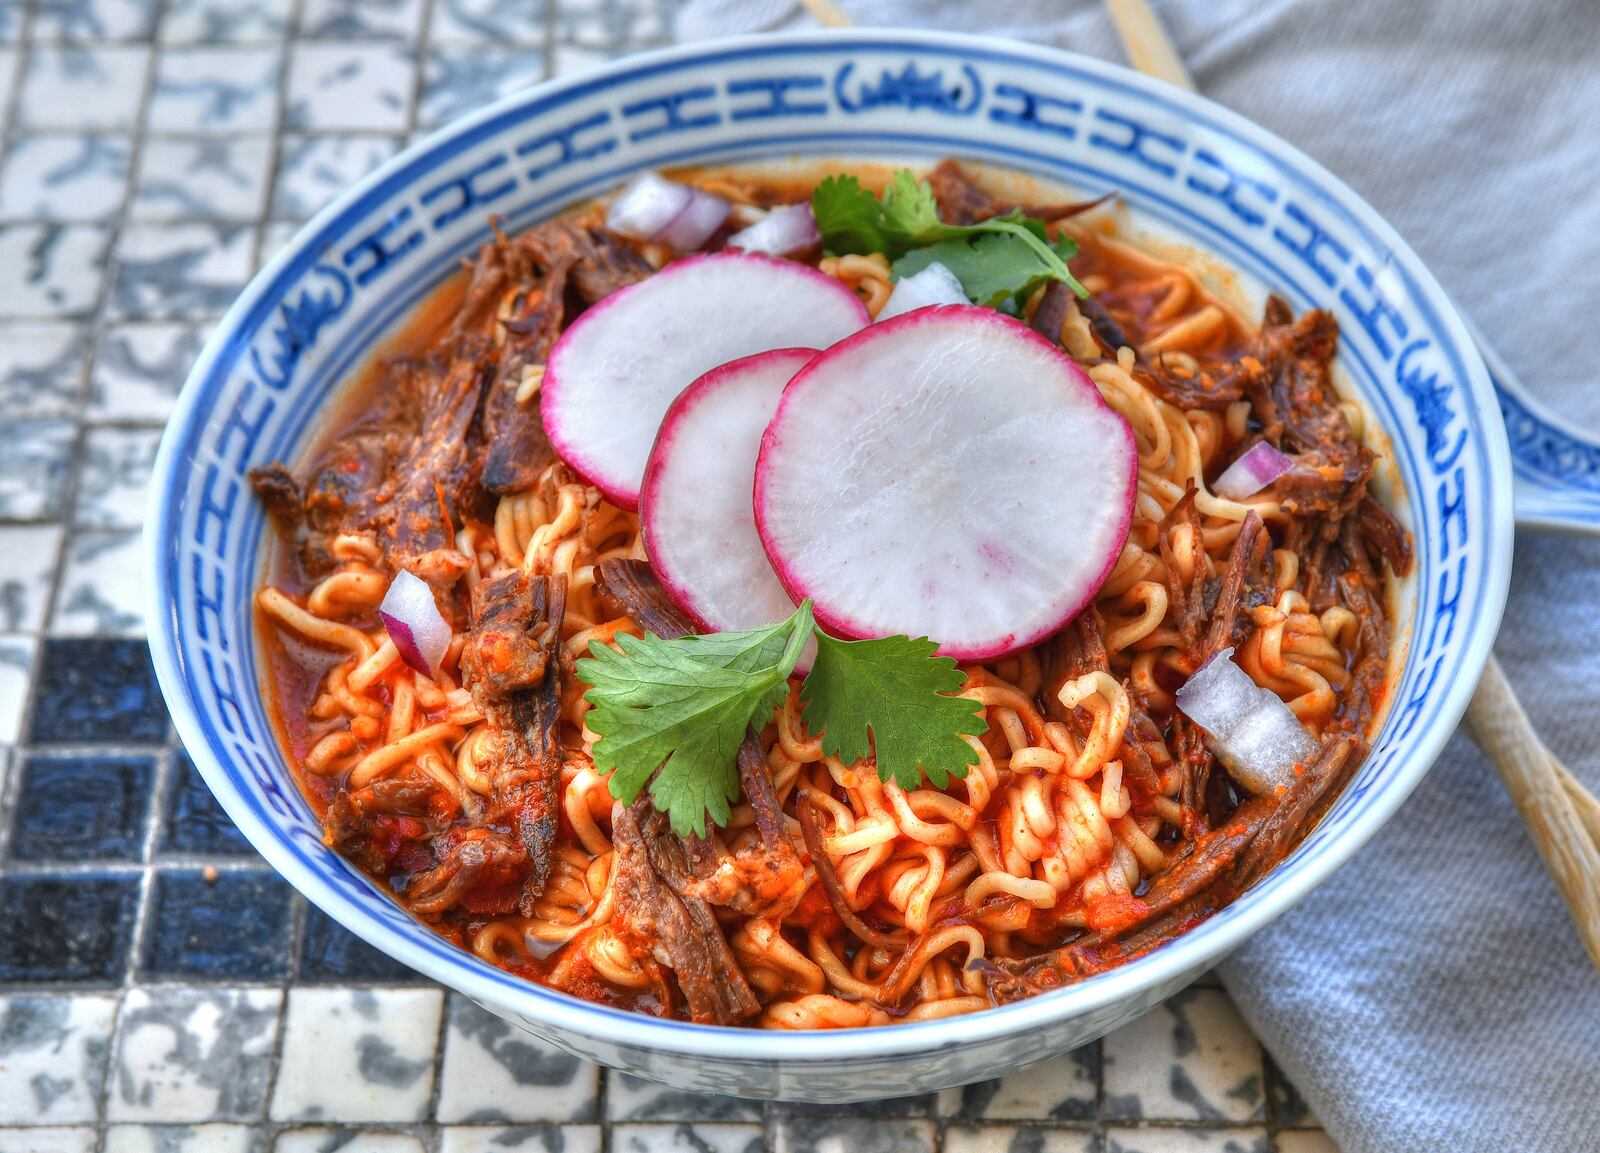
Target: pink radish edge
(551, 384)
(686, 400)
(846, 628)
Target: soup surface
(1097, 820)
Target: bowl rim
(1202, 945)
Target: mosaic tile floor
(160, 988)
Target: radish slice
(935, 284)
(1257, 467)
(612, 374)
(699, 526)
(412, 619)
(950, 474)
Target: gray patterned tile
(10, 20)
(49, 270)
(8, 70)
(1016, 1139)
(16, 663)
(33, 473)
(312, 170)
(572, 59)
(357, 1055)
(193, 1054)
(180, 1139)
(1188, 1140)
(27, 562)
(361, 19)
(635, 1099)
(620, 22)
(349, 87)
(93, 19)
(460, 79)
(326, 1140)
(815, 1134)
(84, 89)
(1305, 1141)
(53, 1052)
(114, 480)
(1190, 1059)
(139, 368)
(216, 90)
(47, 1140)
(41, 369)
(495, 1072)
(204, 179)
(180, 270)
(1288, 1108)
(102, 587)
(221, 21)
(499, 21)
(1062, 1089)
(64, 177)
(688, 1138)
(521, 1139)
(275, 237)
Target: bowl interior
(1189, 169)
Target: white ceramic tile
(102, 587)
(114, 478)
(84, 88)
(221, 21)
(1191, 1058)
(349, 87)
(496, 1072)
(27, 562)
(64, 177)
(312, 170)
(1187, 1140)
(204, 179)
(635, 1099)
(33, 469)
(1012, 1139)
(80, 20)
(179, 1139)
(216, 90)
(361, 19)
(521, 1139)
(53, 1057)
(495, 21)
(689, 1137)
(16, 664)
(50, 270)
(632, 24)
(47, 1140)
(10, 20)
(41, 368)
(180, 270)
(357, 1055)
(1063, 1088)
(806, 1133)
(458, 79)
(575, 59)
(193, 1054)
(324, 1140)
(139, 368)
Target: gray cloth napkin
(1431, 995)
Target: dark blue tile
(330, 952)
(194, 822)
(235, 927)
(82, 808)
(97, 689)
(65, 928)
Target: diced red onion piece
(1252, 731)
(1260, 465)
(787, 229)
(414, 623)
(646, 205)
(935, 284)
(693, 226)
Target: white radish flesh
(612, 374)
(1253, 733)
(699, 526)
(935, 284)
(949, 474)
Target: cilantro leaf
(682, 706)
(893, 688)
(998, 266)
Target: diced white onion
(1253, 733)
(1260, 465)
(692, 227)
(646, 205)
(785, 230)
(935, 284)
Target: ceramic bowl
(1187, 168)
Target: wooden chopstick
(1145, 41)
(827, 13)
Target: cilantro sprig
(999, 261)
(671, 713)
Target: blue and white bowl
(1187, 167)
